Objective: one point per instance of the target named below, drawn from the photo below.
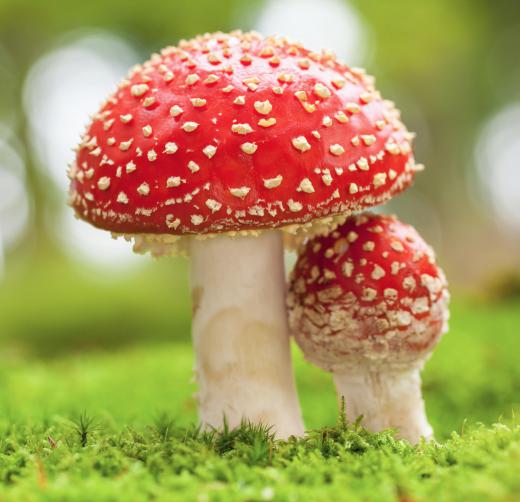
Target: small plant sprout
(368, 303)
(220, 148)
(84, 425)
(164, 426)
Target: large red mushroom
(368, 303)
(217, 148)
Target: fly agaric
(218, 148)
(369, 303)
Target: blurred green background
(68, 292)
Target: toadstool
(217, 148)
(369, 303)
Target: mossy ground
(80, 422)
(84, 460)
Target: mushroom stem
(387, 399)
(240, 333)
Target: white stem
(240, 333)
(386, 399)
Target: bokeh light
(62, 89)
(497, 156)
(8, 77)
(14, 200)
(330, 24)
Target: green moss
(61, 462)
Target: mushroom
(218, 148)
(368, 303)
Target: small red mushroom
(211, 148)
(368, 303)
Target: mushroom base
(240, 333)
(389, 399)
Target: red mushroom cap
(238, 132)
(369, 290)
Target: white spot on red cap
(362, 163)
(139, 89)
(209, 151)
(397, 246)
(193, 166)
(173, 181)
(327, 121)
(273, 182)
(336, 149)
(368, 139)
(301, 143)
(170, 147)
(267, 122)
(189, 126)
(352, 108)
(341, 117)
(172, 222)
(213, 205)
(294, 206)
(377, 272)
(125, 145)
(249, 148)
(143, 189)
(327, 178)
(192, 79)
(379, 180)
(242, 128)
(347, 268)
(103, 183)
(211, 79)
(148, 101)
(369, 294)
(240, 192)
(392, 147)
(420, 305)
(306, 186)
(263, 107)
(175, 110)
(321, 90)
